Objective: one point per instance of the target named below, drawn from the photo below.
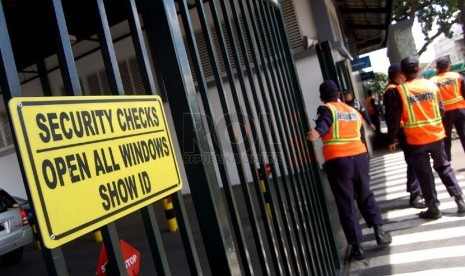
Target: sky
(380, 61)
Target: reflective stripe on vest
(450, 89)
(421, 114)
(343, 138)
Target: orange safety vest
(343, 138)
(450, 89)
(389, 86)
(421, 114)
(371, 109)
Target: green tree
(442, 14)
(378, 84)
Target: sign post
(93, 159)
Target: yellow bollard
(170, 214)
(36, 236)
(266, 195)
(98, 236)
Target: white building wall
(454, 48)
(310, 78)
(303, 11)
(11, 179)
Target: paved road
(419, 247)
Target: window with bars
(97, 83)
(6, 134)
(292, 26)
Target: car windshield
(6, 201)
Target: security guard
(346, 165)
(373, 112)
(353, 102)
(418, 106)
(390, 95)
(452, 90)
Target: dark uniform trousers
(348, 178)
(455, 118)
(413, 185)
(440, 164)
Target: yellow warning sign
(91, 160)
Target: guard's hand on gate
(312, 135)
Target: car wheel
(13, 257)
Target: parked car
(15, 231)
(23, 203)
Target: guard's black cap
(393, 70)
(409, 65)
(328, 89)
(442, 63)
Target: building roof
(31, 27)
(366, 23)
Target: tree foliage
(378, 84)
(436, 17)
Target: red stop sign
(131, 260)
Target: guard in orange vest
(346, 165)
(372, 109)
(452, 90)
(353, 102)
(390, 95)
(419, 108)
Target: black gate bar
(183, 221)
(218, 147)
(292, 130)
(319, 194)
(300, 136)
(162, 22)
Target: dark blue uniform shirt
(324, 120)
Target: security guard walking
(346, 164)
(419, 108)
(390, 98)
(452, 90)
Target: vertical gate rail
(169, 51)
(245, 133)
(230, 199)
(284, 129)
(294, 136)
(150, 222)
(260, 130)
(319, 197)
(295, 132)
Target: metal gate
(227, 72)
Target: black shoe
(431, 213)
(460, 205)
(356, 252)
(382, 238)
(417, 201)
